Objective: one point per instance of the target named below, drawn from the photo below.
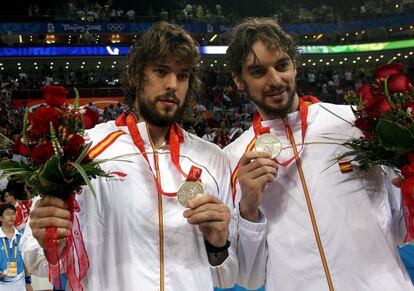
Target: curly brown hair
(249, 31)
(161, 41)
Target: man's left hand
(212, 217)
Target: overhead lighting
(114, 62)
(319, 36)
(341, 62)
(213, 37)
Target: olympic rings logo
(115, 26)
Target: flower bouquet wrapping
(384, 113)
(57, 163)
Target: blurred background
(84, 44)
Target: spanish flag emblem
(345, 167)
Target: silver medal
(189, 190)
(268, 143)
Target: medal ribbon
(74, 247)
(259, 130)
(6, 249)
(175, 136)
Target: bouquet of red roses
(384, 113)
(54, 146)
(57, 163)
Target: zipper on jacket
(160, 216)
(309, 205)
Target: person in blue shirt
(12, 270)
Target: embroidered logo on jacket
(116, 176)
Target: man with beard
(312, 227)
(138, 234)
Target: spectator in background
(209, 134)
(13, 274)
(17, 195)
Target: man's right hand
(256, 169)
(48, 212)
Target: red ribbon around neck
(175, 137)
(259, 130)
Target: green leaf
(394, 137)
(84, 176)
(51, 173)
(83, 153)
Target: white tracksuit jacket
(358, 216)
(137, 239)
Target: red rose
(90, 118)
(373, 100)
(73, 145)
(398, 83)
(386, 70)
(20, 148)
(43, 116)
(366, 125)
(54, 96)
(42, 152)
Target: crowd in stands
(183, 11)
(219, 114)
(35, 79)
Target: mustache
(275, 90)
(169, 96)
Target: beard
(153, 116)
(270, 110)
